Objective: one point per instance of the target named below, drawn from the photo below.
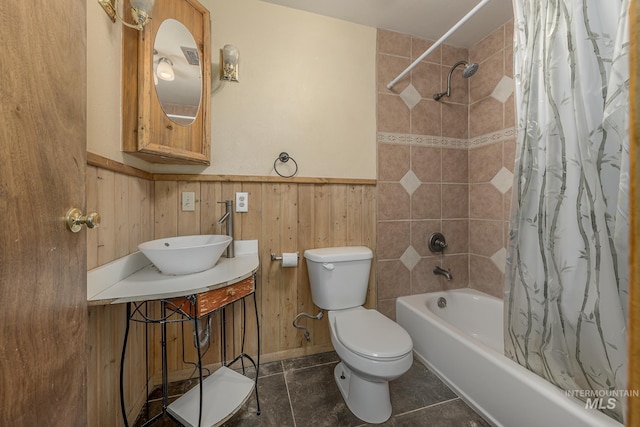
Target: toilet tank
(339, 276)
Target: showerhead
(469, 70)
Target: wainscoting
(285, 215)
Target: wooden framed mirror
(166, 116)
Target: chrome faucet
(446, 273)
(228, 216)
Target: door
(43, 315)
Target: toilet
(373, 349)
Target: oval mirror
(177, 73)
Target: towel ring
(284, 158)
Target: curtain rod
(439, 42)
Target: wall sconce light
(229, 69)
(140, 12)
(165, 69)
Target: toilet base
(367, 400)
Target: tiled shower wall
(443, 166)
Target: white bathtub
(463, 345)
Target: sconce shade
(145, 5)
(165, 69)
(140, 12)
(230, 56)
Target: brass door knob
(75, 220)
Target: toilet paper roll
(289, 259)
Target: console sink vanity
(134, 281)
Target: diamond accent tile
(503, 180)
(503, 89)
(410, 258)
(410, 96)
(500, 259)
(410, 182)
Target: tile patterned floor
(302, 393)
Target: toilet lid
(371, 334)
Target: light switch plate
(242, 202)
(188, 201)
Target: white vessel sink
(185, 254)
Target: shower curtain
(566, 283)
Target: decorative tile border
(489, 138)
(424, 140)
(438, 141)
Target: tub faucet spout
(441, 271)
(228, 217)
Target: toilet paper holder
(279, 258)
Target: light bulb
(230, 56)
(165, 69)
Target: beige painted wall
(307, 87)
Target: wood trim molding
(256, 178)
(112, 165)
(115, 166)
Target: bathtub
(463, 345)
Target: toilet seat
(370, 334)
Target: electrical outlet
(188, 201)
(242, 202)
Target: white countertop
(134, 278)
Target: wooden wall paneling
(355, 214)
(122, 221)
(339, 215)
(135, 374)
(117, 319)
(210, 212)
(306, 239)
(91, 194)
(140, 211)
(106, 208)
(107, 364)
(369, 207)
(188, 221)
(233, 312)
(209, 195)
(323, 238)
(288, 298)
(251, 229)
(283, 217)
(322, 204)
(149, 203)
(271, 279)
(369, 218)
(125, 205)
(165, 225)
(166, 209)
(135, 209)
(95, 392)
(134, 368)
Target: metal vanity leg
(197, 340)
(163, 344)
(124, 352)
(223, 313)
(255, 306)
